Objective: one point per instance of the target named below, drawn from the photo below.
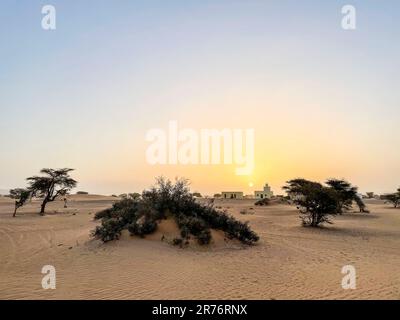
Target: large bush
(141, 215)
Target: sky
(323, 101)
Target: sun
(251, 184)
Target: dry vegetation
(141, 215)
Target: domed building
(266, 193)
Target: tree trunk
(15, 211)
(340, 208)
(43, 206)
(314, 220)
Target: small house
(232, 195)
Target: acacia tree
(346, 194)
(134, 196)
(370, 195)
(21, 196)
(393, 198)
(53, 183)
(315, 202)
(361, 205)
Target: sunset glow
(93, 90)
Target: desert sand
(289, 262)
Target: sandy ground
(290, 262)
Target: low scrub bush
(142, 228)
(140, 215)
(109, 230)
(262, 202)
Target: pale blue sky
(84, 95)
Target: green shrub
(125, 208)
(262, 202)
(110, 229)
(204, 237)
(191, 225)
(142, 228)
(177, 242)
(167, 200)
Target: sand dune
(290, 262)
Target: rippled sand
(290, 262)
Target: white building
(266, 193)
(232, 195)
